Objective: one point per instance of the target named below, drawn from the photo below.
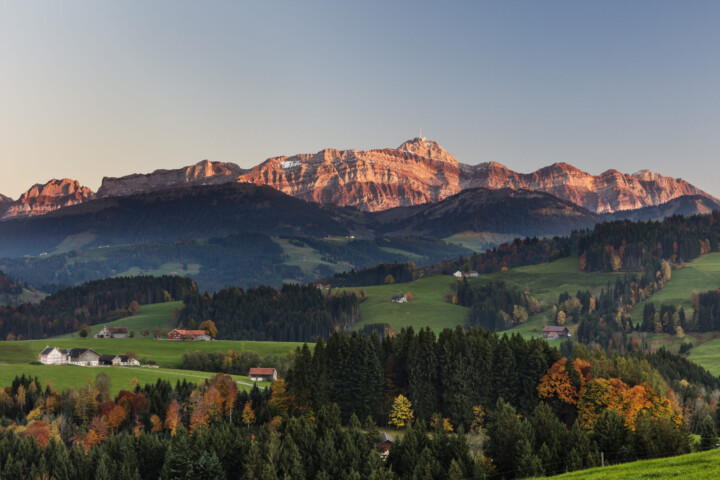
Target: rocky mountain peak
(427, 148)
(43, 198)
(204, 172)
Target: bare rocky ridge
(609, 192)
(419, 171)
(41, 199)
(202, 173)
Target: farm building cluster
(112, 332)
(196, 335)
(470, 274)
(86, 357)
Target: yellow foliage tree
(280, 398)
(248, 414)
(401, 413)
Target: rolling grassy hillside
(149, 316)
(429, 309)
(702, 274)
(708, 355)
(165, 353)
(16, 356)
(66, 376)
(546, 282)
(694, 466)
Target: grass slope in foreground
(66, 376)
(694, 466)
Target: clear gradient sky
(107, 88)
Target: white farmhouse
(53, 356)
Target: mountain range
(418, 172)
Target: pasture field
(156, 315)
(305, 257)
(171, 268)
(166, 353)
(430, 308)
(63, 377)
(702, 274)
(481, 241)
(546, 282)
(707, 355)
(693, 466)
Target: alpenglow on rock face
(41, 199)
(421, 171)
(202, 173)
(417, 172)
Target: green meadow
(708, 355)
(62, 377)
(166, 353)
(156, 315)
(702, 274)
(694, 466)
(15, 357)
(430, 308)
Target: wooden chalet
(195, 335)
(263, 374)
(555, 331)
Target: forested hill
(626, 245)
(620, 245)
(195, 212)
(88, 304)
(291, 313)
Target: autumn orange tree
(172, 417)
(248, 414)
(209, 327)
(280, 400)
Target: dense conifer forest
(291, 313)
(476, 405)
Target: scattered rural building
(197, 335)
(386, 441)
(554, 331)
(112, 332)
(86, 357)
(117, 360)
(471, 273)
(53, 356)
(83, 356)
(262, 374)
(400, 299)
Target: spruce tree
(708, 434)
